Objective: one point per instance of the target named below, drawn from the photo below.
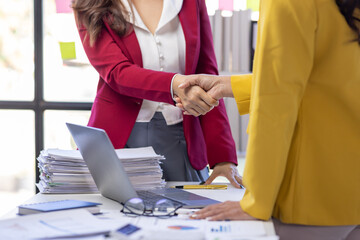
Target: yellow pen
(220, 187)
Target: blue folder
(57, 206)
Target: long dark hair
(348, 8)
(92, 13)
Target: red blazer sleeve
(120, 72)
(215, 124)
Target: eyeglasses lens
(134, 205)
(163, 207)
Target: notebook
(44, 207)
(109, 174)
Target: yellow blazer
(303, 156)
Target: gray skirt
(169, 141)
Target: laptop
(110, 177)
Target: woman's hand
(216, 86)
(228, 170)
(193, 98)
(229, 210)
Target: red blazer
(123, 84)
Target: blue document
(57, 206)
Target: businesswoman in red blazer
(138, 47)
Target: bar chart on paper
(221, 229)
(227, 230)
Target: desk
(231, 193)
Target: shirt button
(157, 40)
(161, 69)
(161, 56)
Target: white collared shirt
(163, 51)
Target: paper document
(235, 230)
(70, 223)
(203, 230)
(180, 228)
(124, 153)
(97, 237)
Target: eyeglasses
(163, 208)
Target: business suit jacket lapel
(189, 18)
(129, 45)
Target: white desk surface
(231, 194)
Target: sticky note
(67, 50)
(63, 6)
(226, 5)
(253, 5)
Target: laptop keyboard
(151, 198)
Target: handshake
(198, 94)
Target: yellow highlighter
(219, 187)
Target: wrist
(177, 80)
(226, 90)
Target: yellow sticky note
(67, 50)
(253, 5)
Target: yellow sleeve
(241, 87)
(283, 61)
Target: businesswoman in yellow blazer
(303, 156)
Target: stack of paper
(65, 171)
